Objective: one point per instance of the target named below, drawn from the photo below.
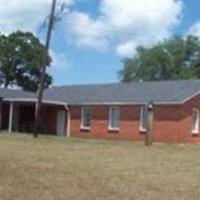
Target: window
(85, 117)
(143, 118)
(195, 121)
(114, 118)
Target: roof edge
(32, 100)
(123, 103)
(189, 98)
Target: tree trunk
(7, 82)
(43, 70)
(7, 73)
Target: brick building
(109, 111)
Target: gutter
(31, 100)
(91, 103)
(125, 103)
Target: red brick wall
(187, 120)
(129, 123)
(171, 124)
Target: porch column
(10, 117)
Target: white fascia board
(192, 96)
(88, 103)
(123, 103)
(34, 101)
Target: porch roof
(24, 96)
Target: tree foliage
(176, 58)
(21, 58)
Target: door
(60, 124)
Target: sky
(93, 37)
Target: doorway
(60, 124)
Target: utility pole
(1, 108)
(150, 119)
(38, 105)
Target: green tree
(176, 58)
(21, 58)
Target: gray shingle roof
(15, 94)
(160, 92)
(163, 92)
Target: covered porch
(19, 116)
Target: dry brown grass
(50, 168)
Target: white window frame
(143, 118)
(110, 119)
(83, 117)
(195, 128)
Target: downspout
(68, 121)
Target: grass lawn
(83, 169)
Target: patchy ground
(81, 169)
